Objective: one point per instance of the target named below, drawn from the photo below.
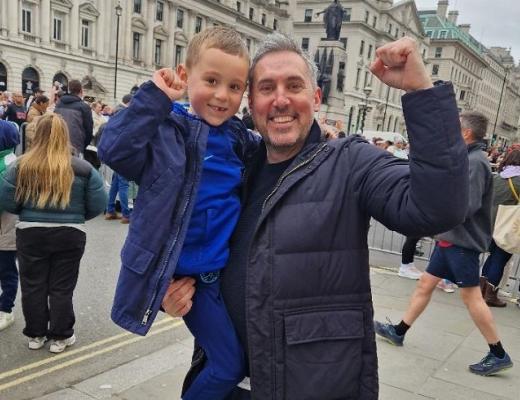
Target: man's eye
(295, 86)
(265, 89)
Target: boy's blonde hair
(218, 37)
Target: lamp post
(493, 138)
(386, 106)
(119, 11)
(367, 91)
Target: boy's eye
(212, 81)
(236, 87)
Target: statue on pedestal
(333, 18)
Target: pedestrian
(506, 189)
(407, 269)
(77, 115)
(16, 111)
(118, 186)
(189, 170)
(39, 107)
(54, 194)
(9, 139)
(297, 284)
(456, 256)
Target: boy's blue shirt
(163, 152)
(217, 204)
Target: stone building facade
(43, 41)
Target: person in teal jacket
(54, 194)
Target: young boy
(189, 169)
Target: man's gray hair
(476, 121)
(276, 42)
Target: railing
(382, 239)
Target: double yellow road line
(123, 339)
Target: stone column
(149, 41)
(125, 31)
(105, 14)
(13, 20)
(3, 19)
(45, 22)
(74, 26)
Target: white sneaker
(57, 346)
(6, 319)
(409, 271)
(446, 286)
(36, 343)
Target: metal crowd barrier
(383, 239)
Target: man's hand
(169, 82)
(399, 65)
(177, 300)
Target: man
(125, 101)
(16, 111)
(297, 283)
(456, 256)
(77, 115)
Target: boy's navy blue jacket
(163, 153)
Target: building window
(390, 28)
(305, 44)
(275, 24)
(347, 12)
(367, 16)
(362, 48)
(248, 45)
(159, 10)
(344, 41)
(462, 95)
(308, 15)
(180, 18)
(438, 52)
(369, 55)
(341, 76)
(263, 19)
(251, 13)
(85, 33)
(137, 6)
(26, 20)
(198, 24)
(358, 75)
(239, 6)
(178, 54)
(374, 21)
(57, 29)
(435, 69)
(396, 32)
(136, 49)
(429, 33)
(443, 34)
(366, 81)
(157, 55)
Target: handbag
(507, 225)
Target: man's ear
(317, 99)
(182, 72)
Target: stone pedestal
(332, 111)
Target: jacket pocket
(323, 354)
(136, 258)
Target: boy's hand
(177, 300)
(169, 82)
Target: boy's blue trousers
(213, 330)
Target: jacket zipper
(286, 174)
(277, 186)
(148, 311)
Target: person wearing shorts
(456, 257)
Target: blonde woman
(54, 194)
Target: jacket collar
(478, 145)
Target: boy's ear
(182, 72)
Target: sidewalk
(431, 365)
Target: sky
(493, 23)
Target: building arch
(30, 81)
(62, 79)
(3, 77)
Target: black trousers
(408, 251)
(49, 261)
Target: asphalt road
(101, 345)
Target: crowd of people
(255, 239)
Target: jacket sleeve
(8, 191)
(88, 124)
(477, 186)
(96, 195)
(430, 195)
(9, 136)
(127, 134)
